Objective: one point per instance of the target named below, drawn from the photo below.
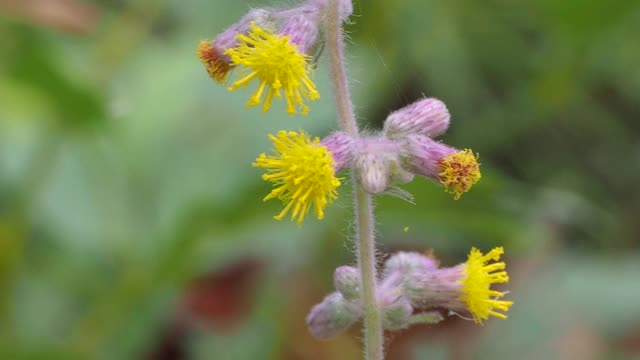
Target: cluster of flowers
(303, 170)
(275, 48)
(413, 290)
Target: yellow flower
(217, 66)
(277, 65)
(301, 171)
(459, 172)
(479, 298)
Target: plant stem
(335, 52)
(365, 243)
(363, 207)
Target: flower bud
(457, 170)
(332, 316)
(396, 309)
(408, 263)
(396, 314)
(377, 163)
(428, 117)
(346, 280)
(341, 146)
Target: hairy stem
(363, 207)
(335, 53)
(366, 250)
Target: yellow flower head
(459, 171)
(476, 293)
(216, 63)
(277, 65)
(302, 172)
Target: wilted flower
(457, 170)
(212, 53)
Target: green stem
(335, 52)
(363, 207)
(365, 243)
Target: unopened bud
(332, 316)
(341, 145)
(346, 280)
(376, 160)
(397, 315)
(396, 309)
(408, 263)
(428, 117)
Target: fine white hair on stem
(366, 253)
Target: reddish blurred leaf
(221, 299)
(629, 343)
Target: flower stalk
(364, 236)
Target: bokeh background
(131, 220)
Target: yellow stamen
(301, 171)
(278, 65)
(476, 293)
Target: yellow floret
(459, 172)
(476, 285)
(301, 170)
(276, 64)
(217, 66)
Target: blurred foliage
(127, 195)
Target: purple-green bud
(428, 117)
(346, 280)
(341, 145)
(332, 316)
(377, 163)
(409, 263)
(396, 308)
(396, 314)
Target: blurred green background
(131, 220)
